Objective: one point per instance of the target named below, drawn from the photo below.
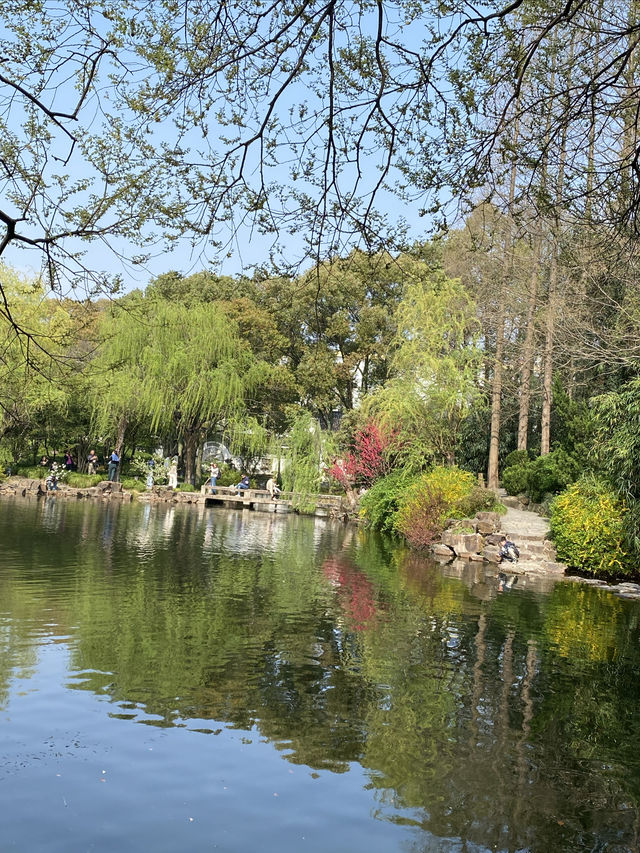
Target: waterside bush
(131, 484)
(417, 507)
(514, 479)
(478, 500)
(430, 501)
(83, 481)
(587, 525)
(380, 505)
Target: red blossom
(367, 462)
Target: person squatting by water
(51, 483)
(508, 550)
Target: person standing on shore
(92, 461)
(214, 473)
(114, 462)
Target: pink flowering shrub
(366, 462)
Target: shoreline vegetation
(367, 376)
(434, 241)
(446, 512)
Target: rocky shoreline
(477, 539)
(106, 490)
(465, 541)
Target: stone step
(517, 536)
(536, 548)
(555, 568)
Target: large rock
(463, 543)
(108, 486)
(511, 501)
(491, 517)
(491, 553)
(493, 539)
(486, 527)
(457, 525)
(443, 551)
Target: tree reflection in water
(504, 721)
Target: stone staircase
(529, 531)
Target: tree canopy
(124, 123)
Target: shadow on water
(484, 712)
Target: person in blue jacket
(114, 462)
(244, 483)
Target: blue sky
(241, 246)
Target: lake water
(190, 679)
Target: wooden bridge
(261, 499)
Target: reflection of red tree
(354, 590)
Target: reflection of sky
(459, 706)
(103, 784)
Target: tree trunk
(122, 428)
(528, 352)
(547, 382)
(493, 480)
(493, 473)
(190, 450)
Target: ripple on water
(358, 696)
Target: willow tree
(36, 381)
(435, 368)
(184, 368)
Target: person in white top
(173, 475)
(214, 473)
(272, 488)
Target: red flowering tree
(366, 462)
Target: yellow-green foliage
(430, 501)
(587, 524)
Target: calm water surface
(182, 679)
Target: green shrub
(550, 474)
(83, 481)
(514, 479)
(546, 475)
(516, 457)
(133, 485)
(32, 472)
(378, 507)
(186, 487)
(479, 500)
(587, 525)
(430, 501)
